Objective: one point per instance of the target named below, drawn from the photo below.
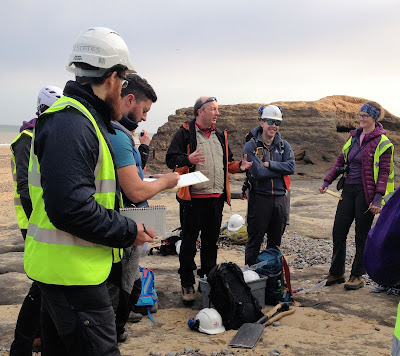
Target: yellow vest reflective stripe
(54, 256)
(382, 146)
(396, 336)
(19, 211)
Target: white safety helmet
(250, 276)
(47, 96)
(271, 112)
(99, 47)
(235, 222)
(210, 321)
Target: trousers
(266, 214)
(28, 323)
(353, 206)
(77, 320)
(203, 215)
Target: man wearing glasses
(273, 161)
(199, 146)
(73, 185)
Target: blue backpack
(271, 263)
(148, 299)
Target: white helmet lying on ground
(235, 222)
(210, 321)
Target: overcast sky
(253, 51)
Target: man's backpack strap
(287, 276)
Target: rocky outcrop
(316, 130)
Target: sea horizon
(9, 132)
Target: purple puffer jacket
(367, 161)
(382, 249)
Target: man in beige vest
(199, 146)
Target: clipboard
(154, 217)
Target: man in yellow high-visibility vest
(75, 225)
(27, 330)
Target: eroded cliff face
(316, 130)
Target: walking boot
(188, 295)
(331, 279)
(135, 317)
(354, 283)
(122, 337)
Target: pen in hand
(175, 168)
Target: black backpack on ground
(232, 297)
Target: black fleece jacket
(67, 148)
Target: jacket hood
(26, 125)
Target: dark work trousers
(205, 215)
(266, 214)
(352, 206)
(126, 304)
(28, 323)
(77, 320)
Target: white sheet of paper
(191, 178)
(186, 179)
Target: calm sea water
(8, 133)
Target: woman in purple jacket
(367, 163)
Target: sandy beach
(327, 321)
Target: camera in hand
(342, 170)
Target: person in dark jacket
(76, 201)
(273, 161)
(137, 99)
(27, 330)
(199, 146)
(366, 163)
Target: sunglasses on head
(271, 122)
(211, 98)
